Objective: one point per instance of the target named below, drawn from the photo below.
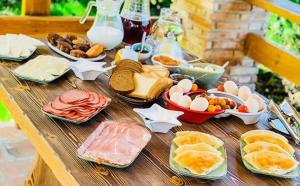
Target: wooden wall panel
(283, 8)
(277, 59)
(36, 7)
(40, 26)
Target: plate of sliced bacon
(76, 106)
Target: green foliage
(270, 85)
(284, 32)
(77, 7)
(10, 7)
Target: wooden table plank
(57, 141)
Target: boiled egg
(231, 87)
(259, 100)
(174, 89)
(252, 105)
(186, 85)
(185, 101)
(176, 96)
(199, 104)
(244, 92)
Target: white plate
(227, 95)
(170, 68)
(248, 118)
(100, 57)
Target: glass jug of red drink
(136, 20)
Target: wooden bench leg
(41, 174)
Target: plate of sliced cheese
(266, 152)
(17, 47)
(198, 155)
(43, 69)
(139, 84)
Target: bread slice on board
(122, 81)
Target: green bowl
(202, 76)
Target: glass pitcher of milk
(107, 28)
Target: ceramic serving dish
(38, 80)
(134, 101)
(142, 55)
(248, 118)
(214, 175)
(202, 76)
(190, 115)
(68, 56)
(78, 122)
(104, 162)
(159, 119)
(292, 174)
(19, 59)
(178, 77)
(170, 68)
(225, 94)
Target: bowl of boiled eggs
(195, 103)
(204, 73)
(251, 107)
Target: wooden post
(36, 7)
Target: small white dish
(86, 70)
(170, 68)
(55, 49)
(159, 119)
(227, 95)
(248, 118)
(142, 56)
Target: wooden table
(56, 141)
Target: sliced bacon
(77, 105)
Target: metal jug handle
(87, 12)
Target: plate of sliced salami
(76, 106)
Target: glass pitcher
(136, 20)
(107, 28)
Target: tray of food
(266, 152)
(74, 48)
(251, 107)
(17, 47)
(139, 84)
(167, 61)
(43, 69)
(195, 103)
(198, 155)
(76, 106)
(115, 143)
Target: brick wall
(216, 30)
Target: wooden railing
(271, 55)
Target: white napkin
(159, 119)
(87, 70)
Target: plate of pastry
(197, 154)
(18, 47)
(74, 47)
(266, 152)
(139, 84)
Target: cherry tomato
(221, 88)
(211, 108)
(243, 108)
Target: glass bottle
(136, 20)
